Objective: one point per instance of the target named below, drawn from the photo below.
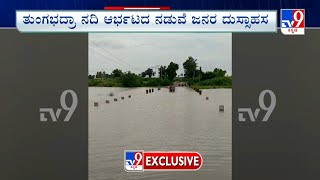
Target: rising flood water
(161, 121)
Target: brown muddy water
(161, 121)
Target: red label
(178, 161)
(298, 17)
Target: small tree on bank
(190, 67)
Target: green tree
(172, 70)
(143, 74)
(190, 67)
(213, 74)
(219, 72)
(162, 70)
(91, 76)
(130, 80)
(149, 72)
(99, 74)
(208, 75)
(117, 73)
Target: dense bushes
(129, 80)
(217, 81)
(94, 82)
(132, 80)
(110, 82)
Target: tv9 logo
(292, 21)
(139, 161)
(54, 115)
(133, 160)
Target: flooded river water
(161, 121)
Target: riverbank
(154, 82)
(129, 82)
(210, 87)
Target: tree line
(193, 74)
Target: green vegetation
(217, 82)
(128, 80)
(193, 76)
(110, 82)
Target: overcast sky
(138, 52)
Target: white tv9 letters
(253, 113)
(56, 114)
